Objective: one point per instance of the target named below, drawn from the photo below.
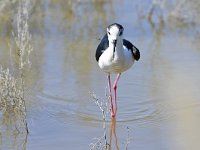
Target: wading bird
(115, 55)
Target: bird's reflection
(113, 134)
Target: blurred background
(158, 98)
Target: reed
(128, 139)
(12, 99)
(179, 12)
(22, 37)
(101, 143)
(12, 86)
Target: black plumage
(104, 44)
(135, 50)
(102, 47)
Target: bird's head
(115, 33)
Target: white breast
(122, 60)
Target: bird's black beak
(115, 43)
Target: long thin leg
(115, 92)
(110, 92)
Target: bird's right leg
(110, 97)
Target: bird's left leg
(115, 90)
(110, 97)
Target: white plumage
(123, 59)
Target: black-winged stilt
(115, 55)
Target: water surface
(158, 98)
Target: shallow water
(158, 98)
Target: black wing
(102, 46)
(135, 50)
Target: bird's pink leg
(115, 92)
(110, 92)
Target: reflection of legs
(115, 94)
(110, 92)
(110, 145)
(115, 134)
(113, 130)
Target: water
(158, 98)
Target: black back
(102, 47)
(135, 50)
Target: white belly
(121, 62)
